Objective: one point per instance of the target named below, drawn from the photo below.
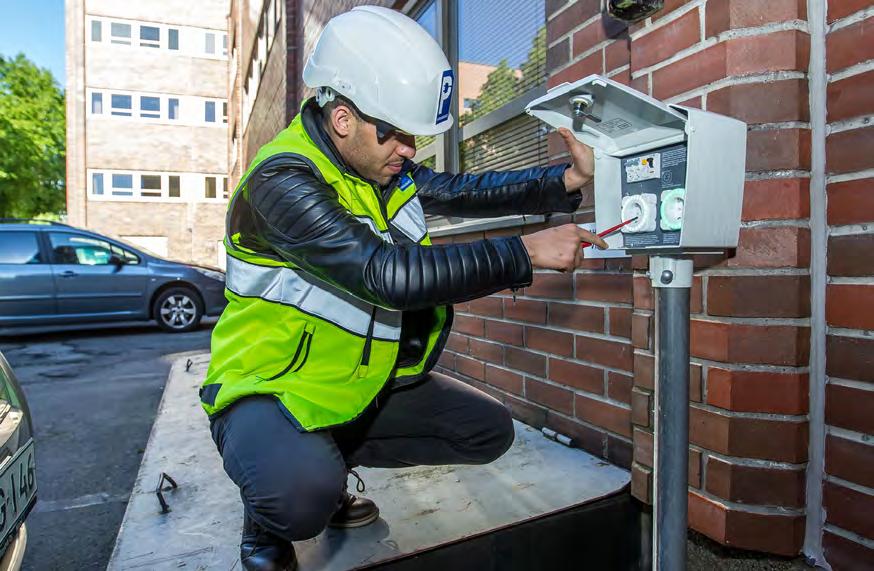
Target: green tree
(534, 68)
(499, 88)
(32, 140)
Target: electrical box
(678, 170)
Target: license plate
(17, 490)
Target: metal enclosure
(680, 170)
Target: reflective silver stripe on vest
(284, 285)
(410, 220)
(384, 234)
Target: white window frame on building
(150, 186)
(268, 21)
(172, 39)
(172, 109)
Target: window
(150, 37)
(97, 103)
(173, 108)
(120, 33)
(121, 105)
(173, 189)
(150, 185)
(122, 185)
(210, 43)
(172, 38)
(209, 112)
(225, 187)
(224, 111)
(96, 31)
(79, 250)
(210, 187)
(150, 107)
(224, 44)
(19, 248)
(97, 183)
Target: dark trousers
(292, 482)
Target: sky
(35, 28)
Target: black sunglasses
(384, 129)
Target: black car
(52, 273)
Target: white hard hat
(388, 66)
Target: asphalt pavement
(93, 394)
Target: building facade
(147, 130)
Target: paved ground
(93, 394)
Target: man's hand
(559, 248)
(583, 168)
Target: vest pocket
(301, 353)
(368, 342)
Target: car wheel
(178, 309)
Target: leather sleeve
(529, 191)
(300, 218)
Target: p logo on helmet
(445, 100)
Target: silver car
(52, 273)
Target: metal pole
(673, 278)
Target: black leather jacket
(292, 214)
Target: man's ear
(342, 120)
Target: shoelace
(359, 487)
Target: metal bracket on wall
(670, 271)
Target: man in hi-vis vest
(339, 305)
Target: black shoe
(260, 550)
(354, 511)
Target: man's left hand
(583, 168)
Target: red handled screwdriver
(611, 230)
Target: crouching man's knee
(298, 512)
(495, 436)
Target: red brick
(850, 256)
(696, 102)
(690, 72)
(550, 341)
(849, 509)
(603, 352)
(781, 247)
(749, 391)
(640, 407)
(644, 371)
(461, 307)
(447, 360)
(850, 358)
(723, 15)
(619, 451)
(849, 46)
(778, 149)
(611, 288)
(468, 325)
(850, 97)
(643, 297)
(583, 436)
(778, 51)
(643, 447)
(641, 483)
(549, 396)
(741, 343)
(488, 306)
(641, 330)
(577, 375)
(849, 151)
(850, 306)
(504, 332)
(525, 310)
(759, 296)
(619, 387)
(844, 457)
(470, 367)
(485, 351)
(776, 199)
(559, 286)
(623, 77)
(617, 55)
(769, 102)
(553, 6)
(570, 18)
(587, 66)
(843, 8)
(696, 382)
(611, 417)
(641, 84)
(558, 55)
(850, 408)
(666, 41)
(846, 555)
(696, 295)
(576, 316)
(529, 413)
(851, 202)
(458, 343)
(620, 322)
(589, 37)
(772, 533)
(748, 437)
(753, 485)
(695, 468)
(504, 379)
(526, 361)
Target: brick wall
(576, 352)
(848, 489)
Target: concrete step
(541, 506)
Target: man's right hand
(559, 248)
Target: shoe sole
(356, 523)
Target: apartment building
(147, 136)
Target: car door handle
(68, 274)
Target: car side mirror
(116, 261)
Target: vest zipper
(368, 341)
(306, 341)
